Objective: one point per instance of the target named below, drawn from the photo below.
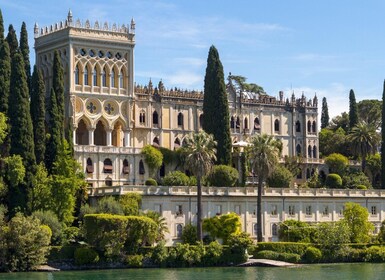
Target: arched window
(298, 150)
(86, 75)
(180, 119)
(309, 126)
(314, 152)
(298, 126)
(104, 77)
(121, 79)
(232, 122)
(246, 123)
(141, 168)
(155, 119)
(314, 127)
(201, 120)
(179, 230)
(308, 173)
(142, 117)
(255, 229)
(176, 143)
(309, 151)
(276, 125)
(107, 168)
(257, 126)
(299, 174)
(238, 123)
(184, 143)
(90, 166)
(108, 182)
(95, 77)
(126, 167)
(77, 75)
(112, 78)
(274, 230)
(155, 142)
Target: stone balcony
(106, 149)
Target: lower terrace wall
(178, 205)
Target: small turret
(69, 17)
(36, 30)
(132, 26)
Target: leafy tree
(263, 153)
(340, 121)
(356, 218)
(223, 176)
(176, 178)
(369, 111)
(333, 142)
(55, 138)
(314, 181)
(153, 157)
(381, 234)
(58, 87)
(3, 127)
(41, 195)
(109, 205)
(293, 164)
(337, 163)
(12, 41)
(373, 168)
(364, 141)
(353, 110)
(24, 49)
(49, 219)
(333, 181)
(130, 203)
(383, 140)
(353, 179)
(243, 86)
(189, 234)
(295, 231)
(200, 153)
(161, 224)
(324, 114)
(26, 243)
(280, 178)
(223, 226)
(216, 116)
(38, 113)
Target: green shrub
(283, 247)
(71, 234)
(150, 182)
(213, 254)
(176, 178)
(134, 261)
(153, 157)
(189, 234)
(192, 181)
(295, 231)
(50, 219)
(280, 178)
(223, 176)
(337, 163)
(272, 255)
(362, 187)
(312, 255)
(187, 255)
(375, 254)
(62, 253)
(110, 205)
(85, 255)
(333, 181)
(159, 254)
(356, 178)
(131, 203)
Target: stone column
(91, 136)
(109, 137)
(126, 138)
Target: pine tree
(55, 127)
(24, 48)
(38, 113)
(216, 119)
(383, 140)
(58, 87)
(353, 110)
(324, 114)
(12, 40)
(21, 133)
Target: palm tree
(200, 156)
(263, 153)
(160, 222)
(364, 141)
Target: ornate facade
(112, 118)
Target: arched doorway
(100, 134)
(82, 134)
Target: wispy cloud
(186, 79)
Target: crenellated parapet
(128, 29)
(161, 91)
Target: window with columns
(180, 119)
(86, 75)
(104, 77)
(77, 80)
(95, 77)
(121, 79)
(142, 171)
(276, 126)
(112, 78)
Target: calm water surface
(308, 272)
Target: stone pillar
(91, 136)
(127, 138)
(109, 137)
(74, 136)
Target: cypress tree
(58, 87)
(216, 117)
(12, 40)
(24, 48)
(5, 77)
(38, 113)
(383, 140)
(21, 134)
(55, 128)
(324, 113)
(353, 110)
(1, 26)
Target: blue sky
(327, 47)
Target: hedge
(85, 255)
(223, 176)
(272, 255)
(282, 247)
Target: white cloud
(185, 79)
(190, 61)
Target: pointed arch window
(232, 122)
(314, 152)
(107, 168)
(180, 119)
(155, 119)
(142, 171)
(77, 82)
(112, 77)
(142, 118)
(309, 126)
(238, 124)
(246, 123)
(314, 127)
(298, 150)
(90, 166)
(121, 79)
(276, 125)
(308, 173)
(257, 126)
(86, 75)
(104, 78)
(309, 151)
(298, 126)
(94, 77)
(155, 142)
(126, 167)
(176, 143)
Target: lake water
(308, 272)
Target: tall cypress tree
(38, 113)
(324, 113)
(21, 134)
(383, 140)
(353, 110)
(24, 48)
(58, 87)
(55, 128)
(12, 40)
(5, 77)
(1, 26)
(216, 117)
